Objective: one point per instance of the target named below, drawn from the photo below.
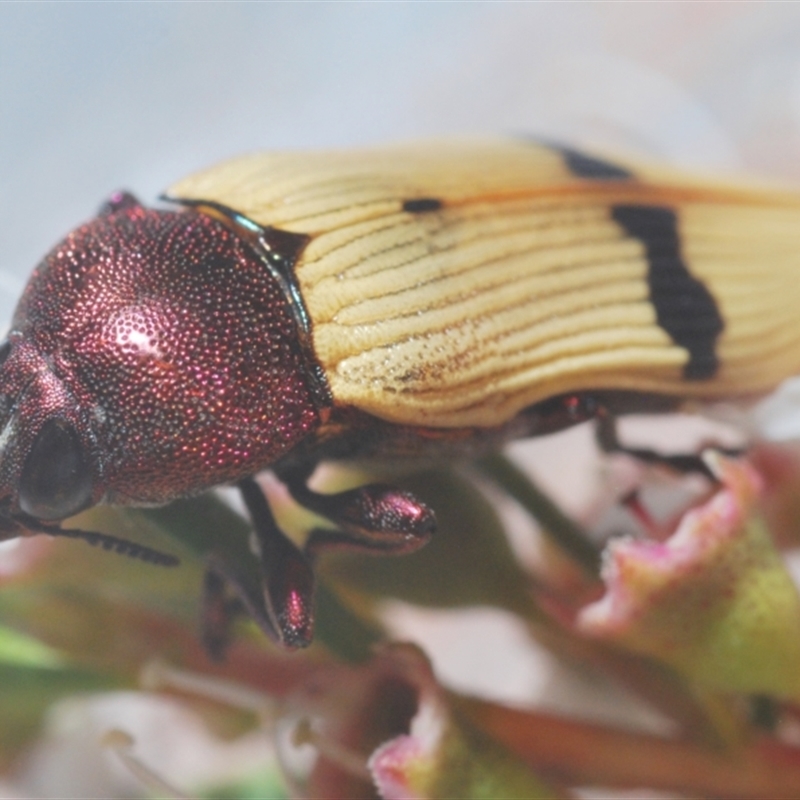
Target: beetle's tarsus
(288, 576)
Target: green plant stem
(566, 534)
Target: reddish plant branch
(588, 754)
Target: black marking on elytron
(422, 204)
(585, 165)
(685, 308)
(279, 251)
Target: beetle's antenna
(122, 546)
(115, 544)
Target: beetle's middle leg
(375, 518)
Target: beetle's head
(46, 467)
(152, 355)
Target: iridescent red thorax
(163, 342)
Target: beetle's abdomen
(450, 286)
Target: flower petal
(714, 601)
(443, 755)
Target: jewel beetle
(427, 300)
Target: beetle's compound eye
(56, 480)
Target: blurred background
(100, 96)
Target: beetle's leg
(375, 518)
(230, 592)
(219, 610)
(608, 441)
(288, 577)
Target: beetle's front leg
(375, 518)
(288, 577)
(279, 596)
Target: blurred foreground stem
(566, 534)
(589, 754)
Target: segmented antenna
(114, 544)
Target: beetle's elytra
(426, 299)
